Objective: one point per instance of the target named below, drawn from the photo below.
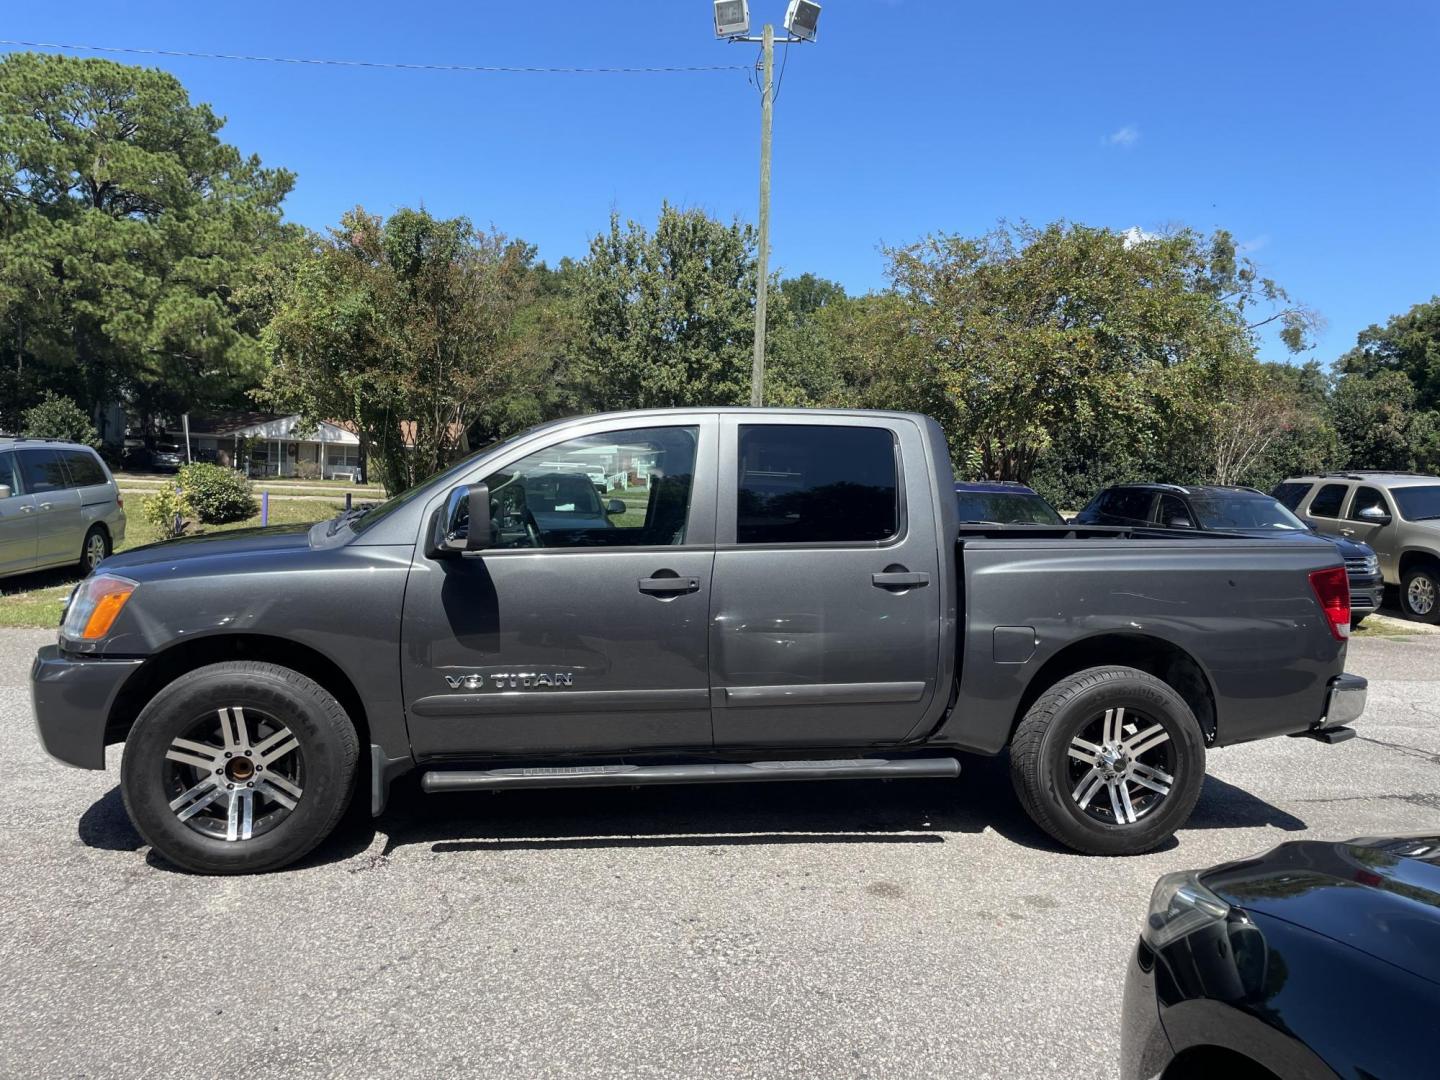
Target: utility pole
(767, 103)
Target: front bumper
(1366, 595)
(72, 698)
(1345, 702)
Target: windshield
(1418, 503)
(381, 511)
(1006, 508)
(1244, 510)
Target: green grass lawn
(35, 600)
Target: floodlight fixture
(732, 18)
(802, 18)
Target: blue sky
(1311, 131)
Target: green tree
(1379, 425)
(404, 327)
(57, 417)
(127, 233)
(1408, 344)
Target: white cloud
(1136, 235)
(1124, 138)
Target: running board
(726, 773)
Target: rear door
(60, 531)
(583, 627)
(18, 528)
(825, 622)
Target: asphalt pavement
(900, 929)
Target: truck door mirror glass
(1374, 515)
(463, 523)
(614, 506)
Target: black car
(1314, 960)
(1232, 509)
(1003, 502)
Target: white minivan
(59, 506)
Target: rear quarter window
(84, 468)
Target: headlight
(94, 606)
(1180, 905)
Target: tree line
(145, 261)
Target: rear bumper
(72, 698)
(1345, 702)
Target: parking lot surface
(909, 928)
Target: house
(266, 444)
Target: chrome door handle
(669, 586)
(1347, 532)
(899, 580)
(44, 506)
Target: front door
(825, 625)
(1363, 530)
(17, 520)
(583, 627)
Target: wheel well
(1203, 1062)
(1411, 559)
(1169, 663)
(165, 667)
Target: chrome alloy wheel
(1421, 594)
(235, 777)
(94, 550)
(1122, 768)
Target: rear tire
(1092, 755)
(1420, 593)
(202, 746)
(95, 549)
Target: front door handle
(1347, 532)
(899, 580)
(669, 585)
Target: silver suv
(1397, 514)
(59, 505)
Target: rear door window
(1291, 495)
(84, 468)
(1328, 500)
(43, 471)
(816, 484)
(1128, 504)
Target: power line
(387, 65)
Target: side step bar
(726, 773)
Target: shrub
(162, 510)
(217, 495)
(58, 417)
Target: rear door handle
(899, 580)
(44, 506)
(669, 586)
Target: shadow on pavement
(722, 815)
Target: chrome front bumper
(1345, 702)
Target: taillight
(1332, 589)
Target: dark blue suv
(1003, 502)
(1231, 509)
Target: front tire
(1420, 593)
(238, 768)
(1109, 761)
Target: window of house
(1328, 500)
(614, 489)
(814, 484)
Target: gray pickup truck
(764, 595)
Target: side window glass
(1174, 514)
(1128, 504)
(619, 488)
(814, 484)
(1291, 495)
(1367, 498)
(8, 476)
(84, 469)
(1328, 501)
(43, 471)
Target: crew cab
(788, 596)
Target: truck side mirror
(463, 523)
(1374, 515)
(5, 491)
(614, 506)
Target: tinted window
(1291, 495)
(43, 471)
(810, 484)
(1006, 508)
(1174, 514)
(85, 470)
(1328, 501)
(1129, 503)
(1244, 510)
(1367, 498)
(1418, 503)
(7, 474)
(618, 488)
